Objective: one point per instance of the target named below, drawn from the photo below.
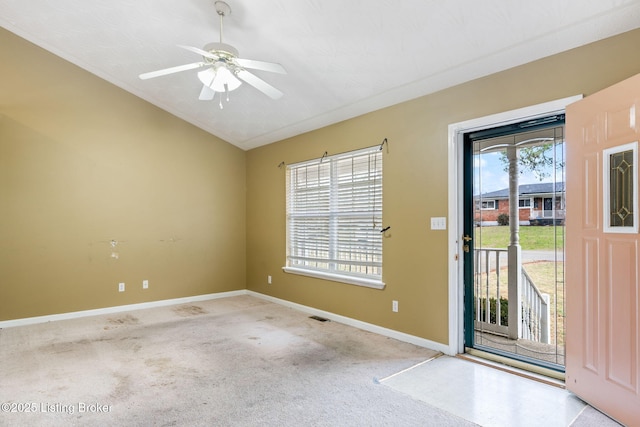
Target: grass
(531, 237)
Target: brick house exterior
(539, 204)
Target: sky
(489, 173)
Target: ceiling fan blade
(164, 72)
(260, 84)
(200, 51)
(261, 65)
(206, 94)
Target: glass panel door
(516, 306)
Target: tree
(537, 159)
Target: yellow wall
(83, 162)
(416, 264)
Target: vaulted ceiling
(343, 58)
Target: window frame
(606, 182)
(332, 211)
(486, 202)
(524, 203)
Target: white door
(602, 251)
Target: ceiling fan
(223, 71)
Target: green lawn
(531, 237)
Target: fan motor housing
(221, 47)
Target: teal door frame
(468, 207)
(467, 255)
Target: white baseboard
(117, 309)
(400, 336)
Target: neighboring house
(538, 204)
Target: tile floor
(488, 396)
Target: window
(334, 218)
(488, 204)
(620, 192)
(524, 203)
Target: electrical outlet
(145, 284)
(269, 280)
(121, 287)
(394, 306)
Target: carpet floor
(239, 361)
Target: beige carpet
(239, 361)
(234, 361)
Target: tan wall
(83, 162)
(415, 185)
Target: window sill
(358, 281)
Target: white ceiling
(344, 58)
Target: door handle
(466, 238)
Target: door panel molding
(622, 270)
(591, 191)
(590, 318)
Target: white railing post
(515, 297)
(514, 249)
(545, 324)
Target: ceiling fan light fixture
(206, 76)
(225, 81)
(219, 80)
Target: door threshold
(516, 367)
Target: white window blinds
(334, 215)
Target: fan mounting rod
(223, 10)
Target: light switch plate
(439, 223)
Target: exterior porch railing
(490, 308)
(535, 311)
(548, 213)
